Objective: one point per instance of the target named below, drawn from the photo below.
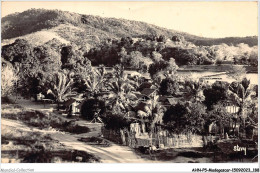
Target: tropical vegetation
(99, 73)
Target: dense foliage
(215, 93)
(66, 70)
(185, 117)
(8, 78)
(92, 108)
(149, 55)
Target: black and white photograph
(129, 82)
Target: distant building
(132, 73)
(146, 94)
(40, 97)
(73, 105)
(144, 85)
(149, 92)
(221, 76)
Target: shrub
(92, 107)
(74, 128)
(168, 86)
(40, 120)
(6, 100)
(8, 79)
(115, 122)
(43, 156)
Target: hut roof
(145, 85)
(148, 91)
(76, 98)
(167, 100)
(69, 102)
(79, 105)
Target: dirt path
(112, 154)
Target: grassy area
(35, 147)
(14, 138)
(59, 156)
(44, 120)
(195, 155)
(19, 145)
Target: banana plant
(121, 94)
(240, 93)
(62, 86)
(95, 81)
(152, 111)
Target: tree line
(60, 71)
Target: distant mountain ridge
(88, 29)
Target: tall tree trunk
(234, 127)
(59, 100)
(243, 117)
(58, 108)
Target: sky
(207, 19)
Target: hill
(37, 38)
(89, 30)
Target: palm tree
(61, 86)
(154, 112)
(121, 94)
(95, 81)
(194, 91)
(240, 93)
